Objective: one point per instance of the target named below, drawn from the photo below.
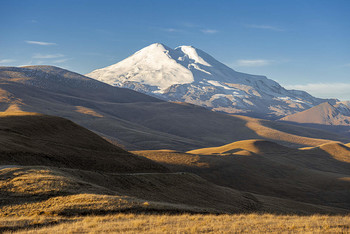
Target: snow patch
(192, 54)
(218, 84)
(290, 99)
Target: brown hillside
(34, 139)
(79, 173)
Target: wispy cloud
(61, 60)
(47, 56)
(5, 61)
(325, 90)
(172, 30)
(264, 26)
(209, 31)
(253, 63)
(43, 43)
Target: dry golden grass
(47, 200)
(80, 204)
(283, 133)
(16, 113)
(43, 190)
(143, 223)
(255, 146)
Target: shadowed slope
(34, 139)
(338, 151)
(64, 82)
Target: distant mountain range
(187, 74)
(136, 120)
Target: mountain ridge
(188, 74)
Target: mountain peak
(155, 46)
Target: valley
(174, 116)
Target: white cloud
(266, 27)
(47, 56)
(325, 90)
(5, 61)
(253, 63)
(43, 43)
(209, 31)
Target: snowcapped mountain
(187, 74)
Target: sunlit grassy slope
(185, 223)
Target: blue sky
(302, 44)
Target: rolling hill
(318, 175)
(51, 166)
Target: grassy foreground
(151, 223)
